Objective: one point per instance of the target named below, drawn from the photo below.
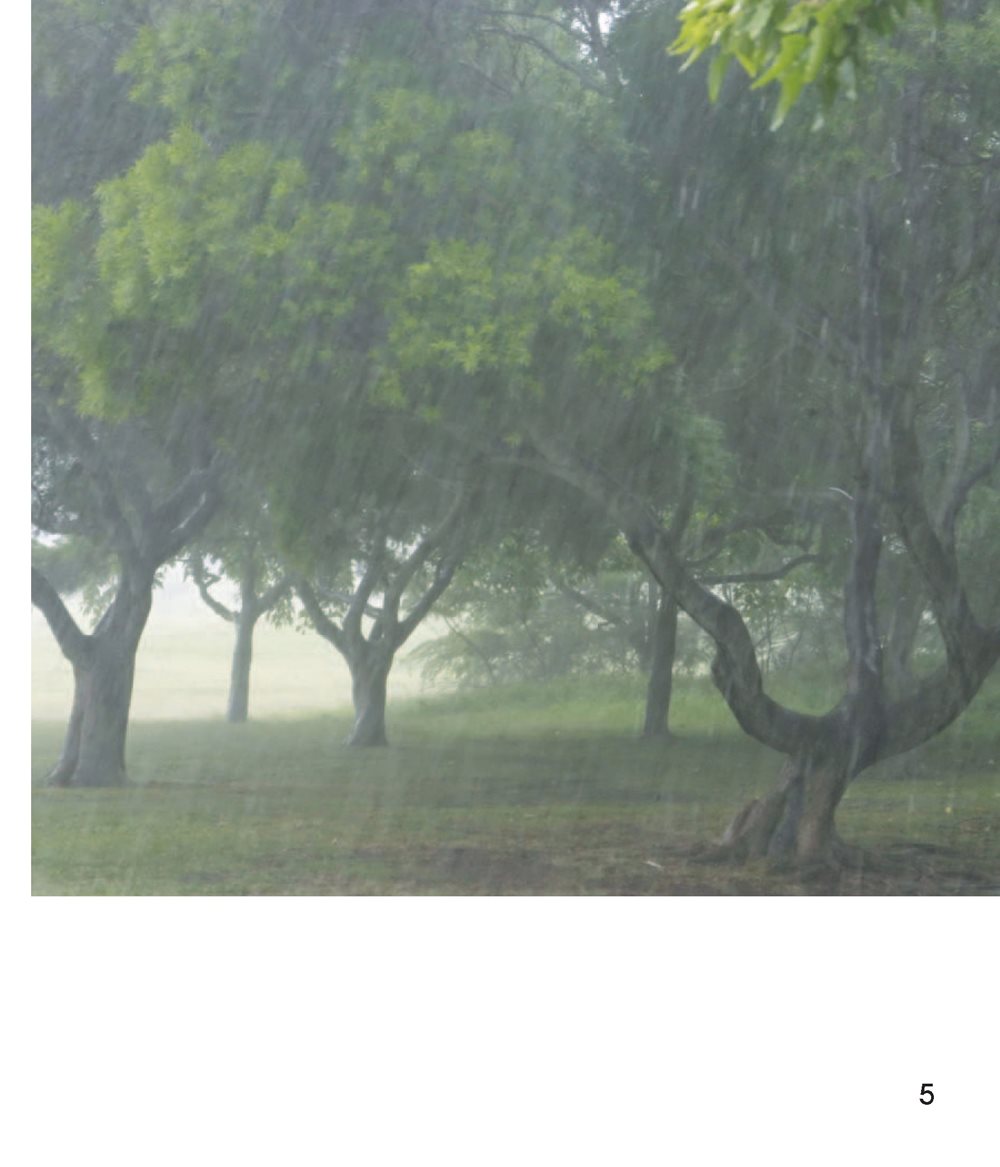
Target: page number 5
(926, 1093)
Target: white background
(501, 1031)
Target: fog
(182, 667)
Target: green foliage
(348, 249)
(516, 336)
(184, 221)
(76, 566)
(811, 42)
(192, 53)
(513, 636)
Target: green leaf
(716, 75)
(758, 22)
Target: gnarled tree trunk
(794, 823)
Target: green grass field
(523, 790)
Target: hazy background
(184, 660)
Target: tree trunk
(901, 641)
(94, 747)
(62, 773)
(795, 822)
(238, 707)
(368, 689)
(661, 673)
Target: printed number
(925, 1089)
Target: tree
(118, 487)
(240, 552)
(905, 318)
(399, 563)
(314, 267)
(891, 333)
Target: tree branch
(87, 453)
(736, 671)
(939, 699)
(358, 606)
(185, 513)
(320, 621)
(935, 560)
(776, 573)
(526, 39)
(423, 551)
(74, 644)
(196, 570)
(442, 578)
(595, 607)
(961, 490)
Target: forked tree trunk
(795, 823)
(238, 707)
(369, 679)
(656, 723)
(93, 751)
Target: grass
(526, 790)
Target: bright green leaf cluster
(791, 44)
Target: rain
(488, 449)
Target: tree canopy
(433, 284)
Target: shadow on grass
(465, 804)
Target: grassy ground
(525, 790)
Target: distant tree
(242, 553)
(379, 582)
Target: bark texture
(794, 823)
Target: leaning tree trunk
(238, 707)
(369, 679)
(660, 685)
